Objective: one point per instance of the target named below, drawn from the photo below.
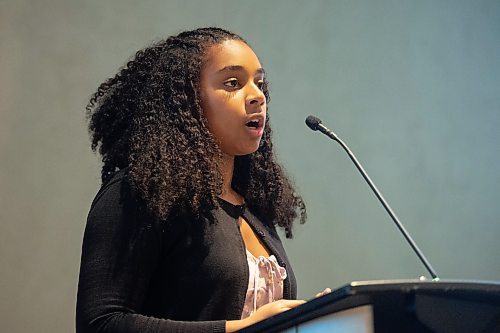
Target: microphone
(315, 124)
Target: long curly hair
(148, 119)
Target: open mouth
(253, 124)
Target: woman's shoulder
(117, 205)
(115, 191)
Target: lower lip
(256, 132)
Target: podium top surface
(425, 285)
(485, 291)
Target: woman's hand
(323, 293)
(274, 308)
(267, 311)
(262, 313)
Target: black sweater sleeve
(120, 253)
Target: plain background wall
(413, 87)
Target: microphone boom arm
(375, 190)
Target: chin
(242, 149)
(247, 151)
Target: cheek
(216, 117)
(209, 108)
(219, 109)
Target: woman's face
(232, 98)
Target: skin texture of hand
(274, 308)
(267, 311)
(262, 313)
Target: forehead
(231, 53)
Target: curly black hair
(148, 118)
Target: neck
(228, 193)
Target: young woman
(181, 236)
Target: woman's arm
(120, 252)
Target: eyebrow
(238, 68)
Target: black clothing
(179, 275)
(235, 211)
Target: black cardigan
(180, 275)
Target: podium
(395, 306)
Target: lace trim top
(265, 284)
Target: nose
(255, 98)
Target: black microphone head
(313, 122)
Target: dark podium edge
(358, 293)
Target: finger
(324, 292)
(285, 309)
(292, 303)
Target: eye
(231, 83)
(260, 84)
